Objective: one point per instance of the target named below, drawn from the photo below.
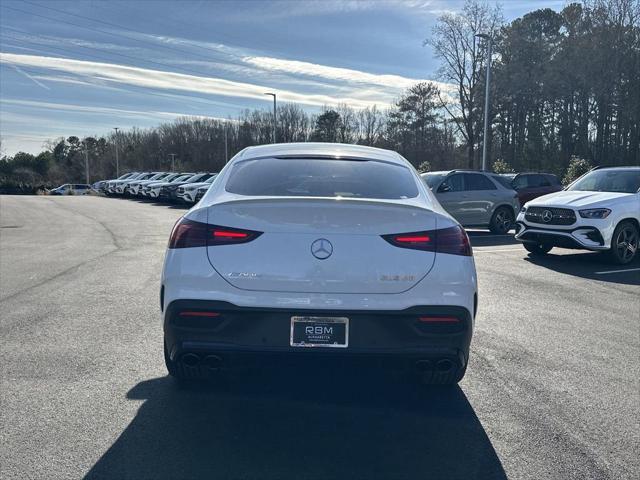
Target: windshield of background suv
(504, 180)
(198, 177)
(320, 177)
(181, 178)
(432, 179)
(621, 181)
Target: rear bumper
(244, 335)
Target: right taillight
(189, 233)
(451, 240)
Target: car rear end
(260, 272)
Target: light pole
(86, 160)
(226, 147)
(489, 39)
(173, 161)
(117, 159)
(275, 120)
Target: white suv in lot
(600, 211)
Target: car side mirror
(444, 188)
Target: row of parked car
(599, 211)
(184, 187)
(474, 198)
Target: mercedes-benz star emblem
(547, 216)
(321, 248)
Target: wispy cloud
(93, 110)
(244, 61)
(294, 67)
(57, 41)
(159, 79)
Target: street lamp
(489, 39)
(117, 160)
(226, 145)
(275, 121)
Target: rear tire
(624, 243)
(501, 221)
(537, 249)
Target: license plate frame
(315, 338)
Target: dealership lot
(551, 392)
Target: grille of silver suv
(550, 216)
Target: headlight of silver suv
(595, 213)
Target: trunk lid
(321, 245)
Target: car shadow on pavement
(300, 424)
(590, 265)
(484, 238)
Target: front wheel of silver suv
(501, 221)
(624, 243)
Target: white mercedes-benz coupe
(600, 211)
(323, 251)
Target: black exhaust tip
(190, 359)
(445, 365)
(212, 362)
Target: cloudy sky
(83, 67)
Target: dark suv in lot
(532, 185)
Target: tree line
(565, 88)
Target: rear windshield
(318, 177)
(504, 180)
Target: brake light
(413, 239)
(227, 234)
(439, 319)
(189, 233)
(452, 240)
(190, 313)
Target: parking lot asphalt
(552, 389)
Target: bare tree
(370, 125)
(293, 123)
(348, 127)
(463, 58)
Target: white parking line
(480, 237)
(491, 250)
(618, 271)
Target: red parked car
(532, 185)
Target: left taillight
(189, 233)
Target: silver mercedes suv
(475, 199)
